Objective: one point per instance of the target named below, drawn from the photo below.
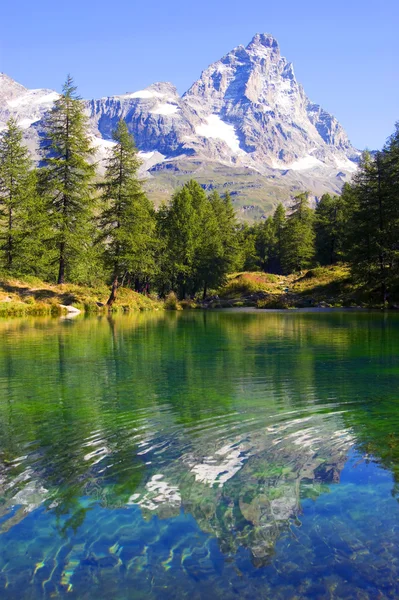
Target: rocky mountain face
(245, 126)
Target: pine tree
(209, 260)
(178, 224)
(227, 221)
(249, 259)
(225, 241)
(370, 212)
(16, 187)
(265, 243)
(34, 256)
(190, 227)
(127, 220)
(328, 227)
(199, 239)
(299, 238)
(279, 223)
(67, 178)
(371, 237)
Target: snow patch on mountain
(34, 97)
(144, 94)
(346, 165)
(165, 109)
(150, 159)
(216, 128)
(26, 106)
(102, 151)
(101, 143)
(145, 155)
(25, 123)
(304, 163)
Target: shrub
(275, 302)
(245, 284)
(188, 304)
(171, 302)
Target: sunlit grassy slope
(322, 286)
(35, 297)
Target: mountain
(245, 126)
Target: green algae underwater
(209, 454)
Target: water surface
(200, 455)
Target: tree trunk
(332, 251)
(10, 245)
(61, 271)
(205, 291)
(114, 288)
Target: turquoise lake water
(233, 455)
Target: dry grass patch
(34, 297)
(246, 283)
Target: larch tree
(16, 187)
(372, 235)
(279, 223)
(127, 218)
(299, 238)
(328, 228)
(265, 243)
(179, 226)
(67, 178)
(209, 263)
(228, 233)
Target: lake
(208, 454)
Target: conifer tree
(178, 224)
(299, 238)
(279, 223)
(210, 259)
(67, 178)
(265, 243)
(34, 257)
(227, 222)
(199, 239)
(127, 219)
(190, 227)
(328, 228)
(16, 187)
(248, 254)
(225, 240)
(371, 237)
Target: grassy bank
(32, 296)
(320, 287)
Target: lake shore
(320, 288)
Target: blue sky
(345, 53)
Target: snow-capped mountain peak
(246, 111)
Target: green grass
(244, 284)
(322, 286)
(31, 296)
(332, 285)
(253, 195)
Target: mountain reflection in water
(218, 454)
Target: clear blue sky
(345, 52)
